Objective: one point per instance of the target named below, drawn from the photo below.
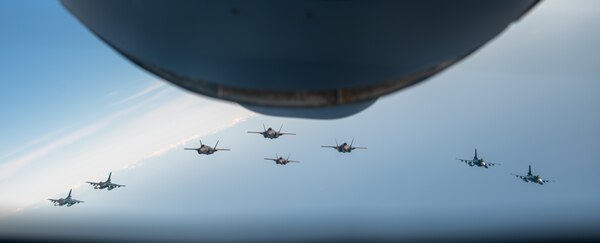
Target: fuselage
(60, 202)
(105, 184)
(70, 202)
(270, 133)
(281, 161)
(205, 150)
(478, 162)
(64, 201)
(344, 148)
(101, 185)
(534, 178)
(315, 59)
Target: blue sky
(73, 110)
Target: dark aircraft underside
(311, 59)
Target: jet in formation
(532, 178)
(65, 201)
(282, 161)
(480, 162)
(205, 149)
(105, 184)
(345, 147)
(270, 133)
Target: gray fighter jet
(282, 161)
(480, 162)
(345, 147)
(104, 184)
(65, 201)
(205, 149)
(271, 133)
(532, 178)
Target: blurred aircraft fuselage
(312, 59)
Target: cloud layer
(158, 123)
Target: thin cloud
(141, 93)
(130, 142)
(112, 93)
(32, 143)
(12, 166)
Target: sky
(73, 110)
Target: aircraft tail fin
(109, 175)
(280, 128)
(264, 128)
(216, 144)
(529, 172)
(352, 142)
(200, 142)
(70, 190)
(336, 143)
(475, 153)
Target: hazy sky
(73, 110)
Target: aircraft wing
(223, 149)
(546, 181)
(335, 147)
(520, 176)
(270, 159)
(295, 161)
(75, 201)
(256, 132)
(492, 164)
(53, 200)
(286, 133)
(113, 185)
(93, 183)
(464, 160)
(359, 147)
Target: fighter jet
(104, 184)
(205, 149)
(345, 147)
(477, 161)
(532, 178)
(281, 161)
(271, 133)
(65, 201)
